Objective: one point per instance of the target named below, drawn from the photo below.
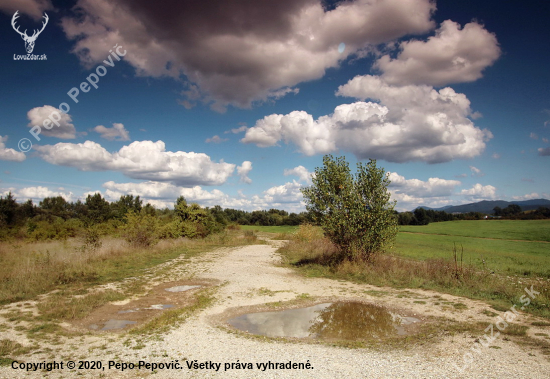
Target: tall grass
(30, 269)
(315, 255)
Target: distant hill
(486, 206)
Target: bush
(170, 230)
(58, 229)
(196, 222)
(355, 212)
(92, 239)
(308, 233)
(141, 230)
(233, 226)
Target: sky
(235, 103)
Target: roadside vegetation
(27, 270)
(433, 262)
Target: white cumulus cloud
(480, 192)
(410, 123)
(215, 139)
(238, 130)
(286, 196)
(7, 154)
(433, 187)
(38, 193)
(286, 193)
(145, 160)
(529, 196)
(243, 171)
(63, 128)
(476, 172)
(301, 172)
(116, 133)
(453, 55)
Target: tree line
(56, 218)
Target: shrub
(196, 222)
(141, 230)
(171, 230)
(58, 229)
(308, 233)
(92, 239)
(355, 212)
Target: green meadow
(525, 230)
(510, 247)
(495, 260)
(515, 247)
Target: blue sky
(236, 103)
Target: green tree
(126, 203)
(55, 206)
(99, 209)
(8, 208)
(354, 211)
(421, 216)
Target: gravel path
(249, 277)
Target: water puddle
(160, 298)
(340, 320)
(181, 288)
(113, 324)
(158, 307)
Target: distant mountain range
(487, 206)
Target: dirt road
(250, 277)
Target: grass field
(527, 230)
(499, 259)
(515, 247)
(504, 246)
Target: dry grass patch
(9, 348)
(30, 269)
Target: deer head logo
(29, 41)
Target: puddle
(160, 306)
(339, 320)
(152, 307)
(181, 288)
(129, 311)
(113, 324)
(158, 299)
